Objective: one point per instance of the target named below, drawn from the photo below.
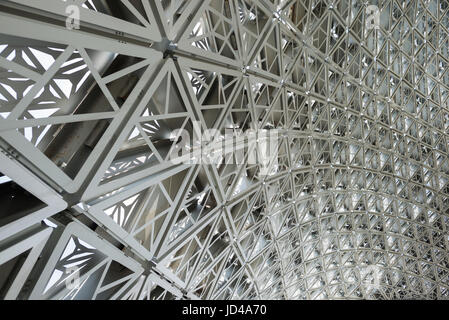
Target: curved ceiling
(352, 203)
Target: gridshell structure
(356, 201)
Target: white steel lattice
(355, 204)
